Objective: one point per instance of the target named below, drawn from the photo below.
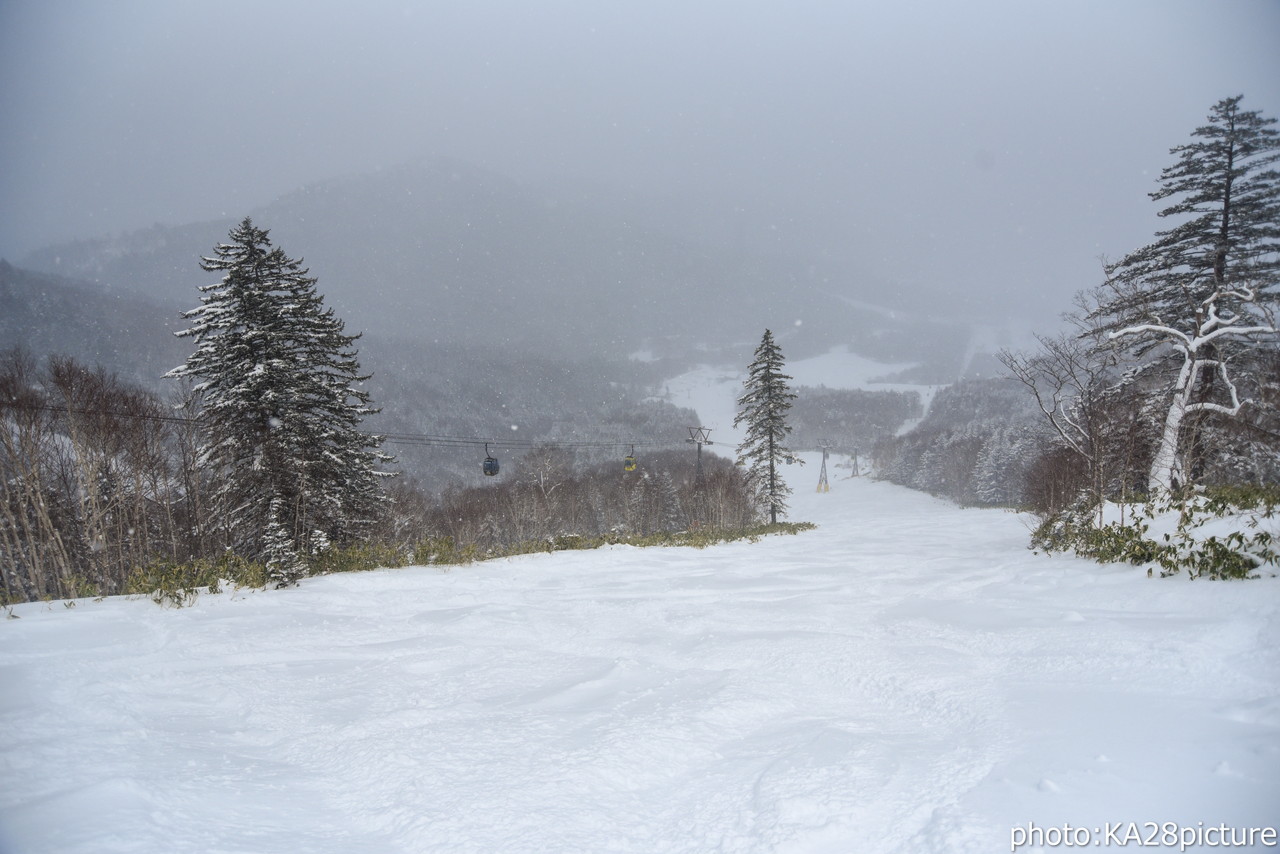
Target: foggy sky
(993, 147)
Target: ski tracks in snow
(906, 678)
(719, 700)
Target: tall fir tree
(277, 384)
(1200, 299)
(763, 409)
(1225, 204)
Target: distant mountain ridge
(123, 331)
(447, 253)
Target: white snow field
(906, 678)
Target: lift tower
(823, 486)
(699, 436)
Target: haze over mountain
(125, 332)
(443, 253)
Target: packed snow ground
(908, 677)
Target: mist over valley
(485, 303)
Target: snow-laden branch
(1209, 406)
(1157, 328)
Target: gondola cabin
(629, 463)
(490, 466)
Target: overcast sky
(997, 145)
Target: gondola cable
(403, 439)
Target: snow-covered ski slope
(712, 391)
(908, 677)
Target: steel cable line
(68, 410)
(408, 439)
(416, 439)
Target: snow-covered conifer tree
(669, 496)
(1203, 295)
(278, 387)
(763, 409)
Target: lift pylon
(699, 436)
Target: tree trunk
(1166, 467)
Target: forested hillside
(975, 446)
(107, 489)
(849, 420)
(421, 387)
(130, 334)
